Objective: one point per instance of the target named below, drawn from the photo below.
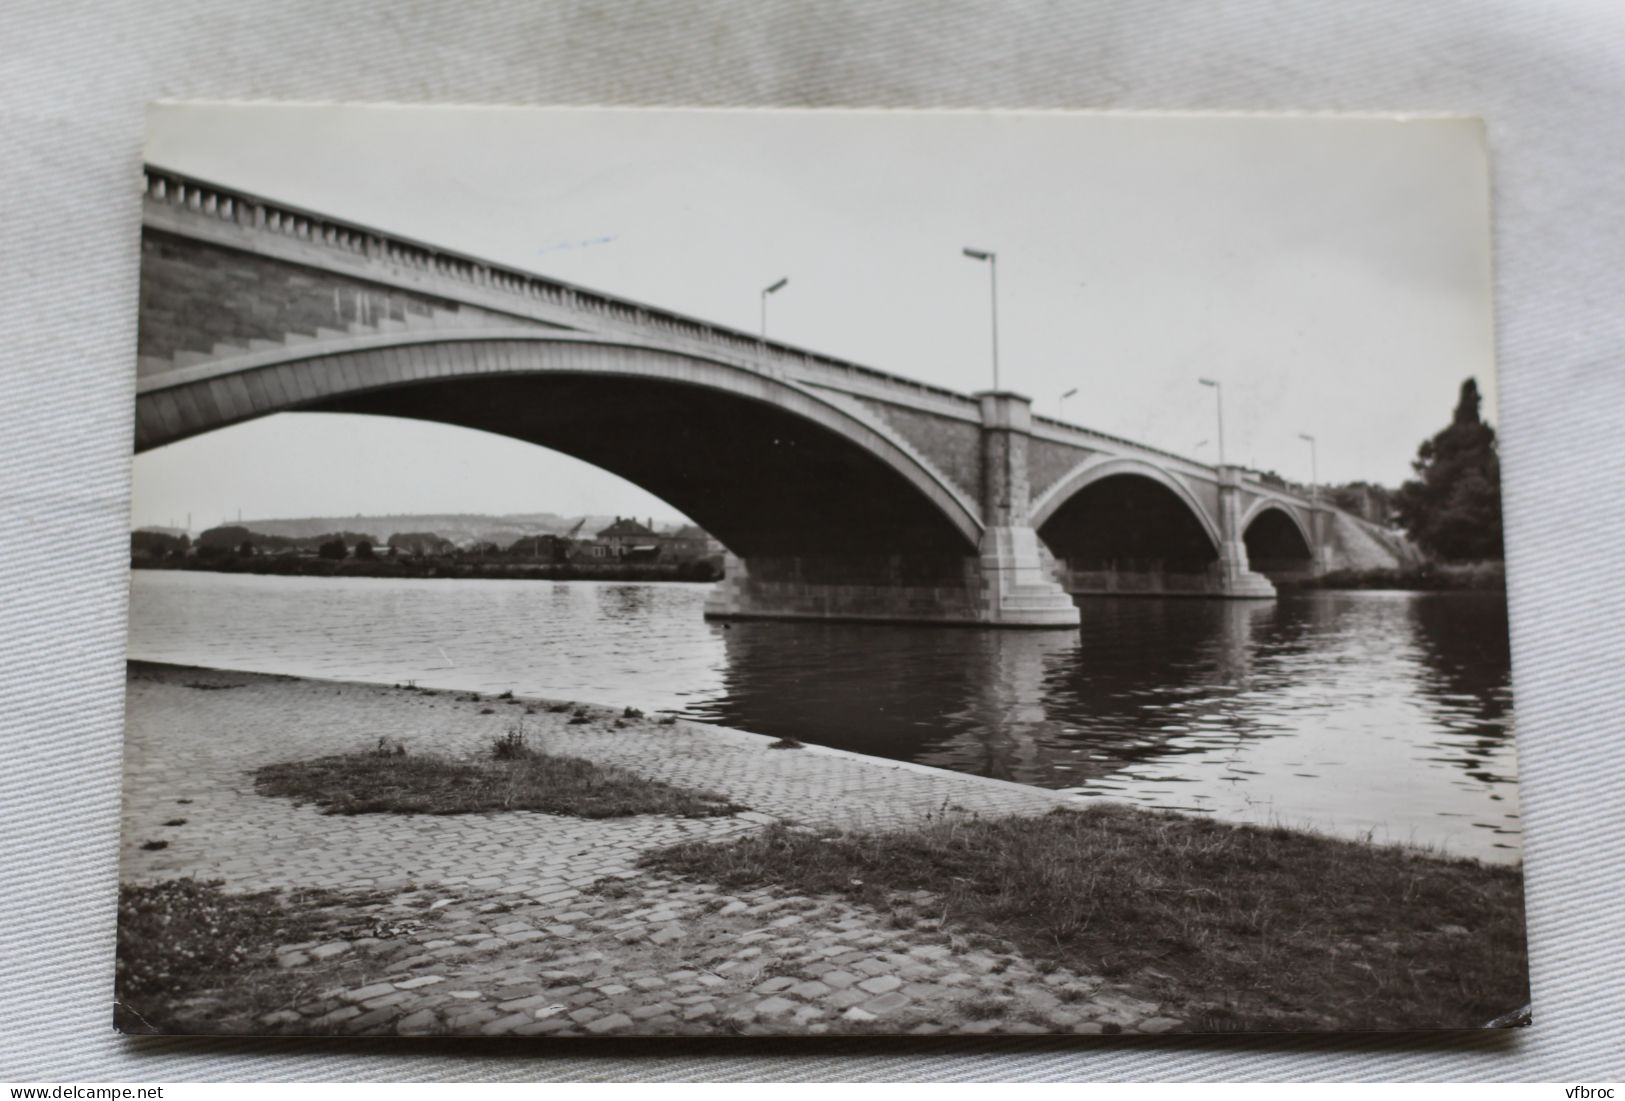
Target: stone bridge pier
(1008, 582)
(1235, 575)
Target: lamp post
(1218, 394)
(1314, 467)
(992, 259)
(1060, 402)
(774, 289)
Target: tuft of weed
(513, 744)
(610, 887)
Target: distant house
(623, 536)
(688, 544)
(542, 548)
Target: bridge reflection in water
(1353, 712)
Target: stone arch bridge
(840, 491)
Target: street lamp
(774, 289)
(1218, 394)
(1061, 402)
(1314, 467)
(992, 259)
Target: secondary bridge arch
(1125, 525)
(1099, 467)
(766, 464)
(1279, 544)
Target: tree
(333, 548)
(158, 544)
(1453, 507)
(227, 537)
(1367, 499)
(363, 550)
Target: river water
(1386, 715)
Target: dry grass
(193, 958)
(1247, 928)
(514, 777)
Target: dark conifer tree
(1452, 509)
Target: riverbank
(437, 568)
(1429, 577)
(522, 922)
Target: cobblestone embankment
(491, 929)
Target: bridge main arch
(765, 464)
(826, 513)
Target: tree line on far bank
(233, 548)
(1451, 510)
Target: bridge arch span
(1266, 504)
(1099, 467)
(1279, 545)
(1123, 525)
(764, 463)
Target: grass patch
(1246, 927)
(193, 958)
(513, 777)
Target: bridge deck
(185, 204)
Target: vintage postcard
(719, 573)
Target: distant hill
(461, 528)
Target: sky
(1333, 273)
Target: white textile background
(1549, 77)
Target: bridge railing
(1281, 485)
(1106, 437)
(1253, 477)
(210, 200)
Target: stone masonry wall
(1049, 462)
(766, 587)
(194, 294)
(954, 447)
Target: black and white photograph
(743, 573)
